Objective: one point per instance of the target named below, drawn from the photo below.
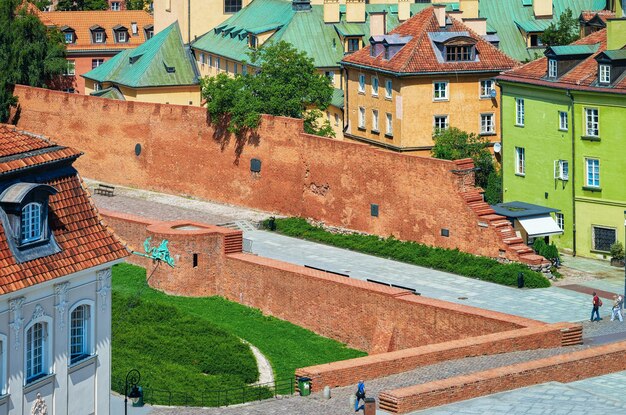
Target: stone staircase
(241, 225)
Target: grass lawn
(192, 344)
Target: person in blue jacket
(360, 394)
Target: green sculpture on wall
(159, 253)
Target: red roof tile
(78, 230)
(418, 55)
(602, 14)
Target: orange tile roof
(84, 240)
(82, 21)
(602, 14)
(581, 77)
(418, 56)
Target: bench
(105, 190)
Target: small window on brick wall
(195, 260)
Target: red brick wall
(301, 175)
(562, 368)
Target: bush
(539, 246)
(617, 251)
(449, 260)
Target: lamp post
(132, 379)
(624, 297)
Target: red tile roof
(418, 55)
(602, 14)
(579, 78)
(84, 240)
(82, 21)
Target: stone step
(513, 240)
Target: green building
(564, 138)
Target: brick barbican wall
(301, 175)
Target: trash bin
(520, 280)
(370, 406)
(139, 402)
(304, 385)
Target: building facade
(563, 135)
(55, 281)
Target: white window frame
(594, 163)
(331, 76)
(4, 387)
(116, 6)
(560, 220)
(604, 73)
(437, 90)
(375, 121)
(374, 85)
(488, 128)
(122, 36)
(70, 38)
(519, 112)
(362, 83)
(98, 36)
(388, 88)
(592, 120)
(561, 170)
(520, 161)
(88, 346)
(70, 70)
(485, 88)
(446, 121)
(31, 223)
(389, 124)
(46, 352)
(552, 68)
(217, 62)
(563, 121)
(362, 117)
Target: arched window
(80, 333)
(37, 364)
(31, 222)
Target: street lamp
(132, 379)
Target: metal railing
(214, 397)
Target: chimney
(615, 33)
(542, 8)
(378, 24)
(404, 10)
(355, 11)
(469, 8)
(478, 25)
(440, 14)
(331, 11)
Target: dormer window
(31, 223)
(121, 34)
(122, 37)
(552, 68)
(149, 31)
(459, 53)
(69, 37)
(604, 74)
(353, 44)
(253, 41)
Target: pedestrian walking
(616, 311)
(597, 303)
(360, 394)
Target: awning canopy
(542, 225)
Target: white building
(55, 281)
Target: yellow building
(160, 71)
(431, 72)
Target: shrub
(449, 260)
(539, 246)
(617, 251)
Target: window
(253, 41)
(487, 124)
(235, 68)
(592, 175)
(388, 88)
(459, 53)
(592, 121)
(561, 169)
(97, 86)
(440, 90)
(232, 6)
(361, 117)
(389, 125)
(353, 44)
(80, 333)
(96, 62)
(605, 74)
(440, 122)
(3, 365)
(375, 120)
(560, 221)
(336, 120)
(520, 161)
(519, 112)
(535, 40)
(70, 69)
(330, 75)
(122, 36)
(69, 37)
(375, 86)
(603, 238)
(36, 351)
(563, 121)
(552, 72)
(31, 223)
(362, 83)
(98, 37)
(149, 33)
(115, 6)
(485, 88)
(210, 58)
(217, 62)
(244, 69)
(202, 59)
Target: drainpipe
(573, 171)
(189, 22)
(345, 104)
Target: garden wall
(173, 149)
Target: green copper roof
(110, 93)
(305, 30)
(337, 98)
(616, 55)
(161, 61)
(505, 15)
(527, 2)
(534, 26)
(574, 49)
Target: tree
(67, 5)
(137, 4)
(564, 32)
(285, 83)
(455, 144)
(30, 53)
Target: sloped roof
(82, 22)
(587, 15)
(84, 241)
(110, 93)
(582, 77)
(504, 16)
(419, 55)
(305, 30)
(147, 65)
